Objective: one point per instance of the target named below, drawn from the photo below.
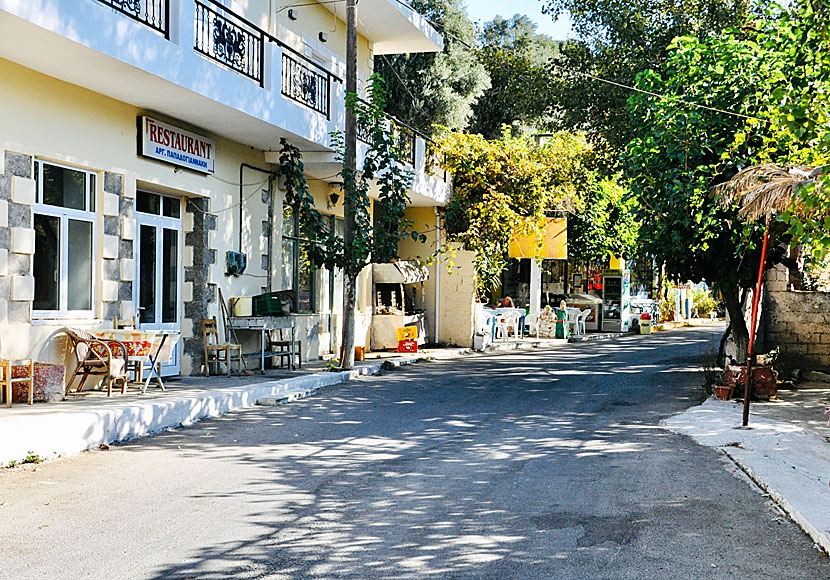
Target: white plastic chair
(506, 321)
(573, 320)
(581, 319)
(531, 322)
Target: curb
(70, 432)
(821, 539)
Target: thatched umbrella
(761, 190)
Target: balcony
(230, 40)
(192, 60)
(152, 13)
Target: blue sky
(484, 10)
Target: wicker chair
(96, 357)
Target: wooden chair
(282, 347)
(136, 366)
(214, 349)
(94, 356)
(6, 379)
(125, 323)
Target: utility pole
(350, 162)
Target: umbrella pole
(756, 297)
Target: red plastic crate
(407, 346)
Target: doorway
(157, 287)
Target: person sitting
(506, 302)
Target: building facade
(139, 147)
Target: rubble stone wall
(797, 322)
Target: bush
(702, 302)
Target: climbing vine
(382, 169)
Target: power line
(591, 76)
(397, 76)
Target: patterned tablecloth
(140, 344)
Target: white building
(137, 147)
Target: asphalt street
(529, 465)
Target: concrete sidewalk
(785, 450)
(92, 419)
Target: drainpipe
(437, 273)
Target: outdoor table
(520, 312)
(265, 324)
(145, 346)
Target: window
(64, 218)
(297, 269)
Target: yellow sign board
(550, 244)
(407, 333)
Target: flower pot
(723, 392)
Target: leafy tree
(504, 187)
(800, 110)
(604, 222)
(427, 89)
(515, 56)
(679, 152)
(616, 41)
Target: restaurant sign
(158, 140)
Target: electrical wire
(217, 178)
(397, 76)
(593, 77)
(234, 206)
(302, 4)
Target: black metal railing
(405, 142)
(230, 40)
(153, 13)
(305, 85)
(364, 132)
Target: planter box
(49, 384)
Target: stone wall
(17, 238)
(197, 291)
(797, 322)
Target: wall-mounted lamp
(323, 37)
(291, 14)
(334, 194)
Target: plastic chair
(506, 321)
(7, 381)
(532, 322)
(581, 319)
(573, 320)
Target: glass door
(157, 288)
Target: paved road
(546, 464)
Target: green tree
(505, 187)
(679, 152)
(427, 89)
(604, 222)
(515, 56)
(616, 41)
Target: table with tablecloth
(149, 348)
